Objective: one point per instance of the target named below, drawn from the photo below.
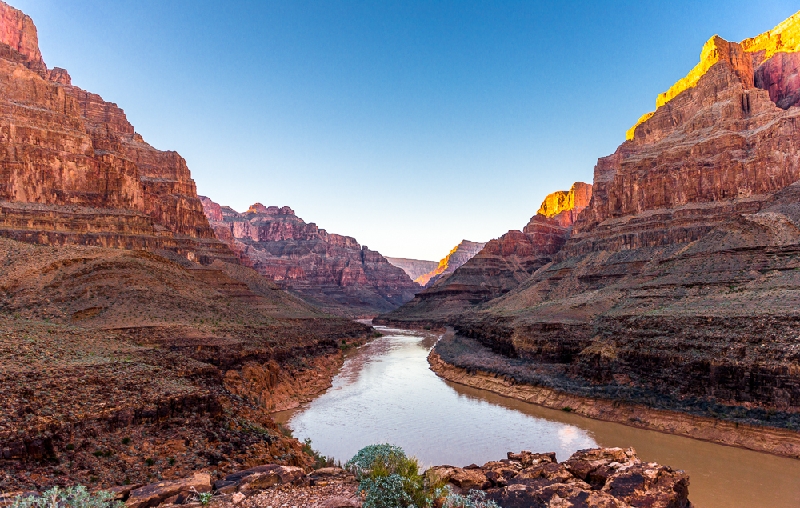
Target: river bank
(779, 442)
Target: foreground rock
(607, 477)
(331, 271)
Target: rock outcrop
(460, 254)
(74, 171)
(502, 265)
(415, 268)
(610, 477)
(331, 271)
(678, 285)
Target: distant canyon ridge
(331, 271)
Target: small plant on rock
(70, 497)
(475, 499)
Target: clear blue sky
(408, 125)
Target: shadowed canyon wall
(459, 255)
(415, 268)
(134, 341)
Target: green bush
(475, 499)
(70, 497)
(389, 479)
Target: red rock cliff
(329, 270)
(73, 170)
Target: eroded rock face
(502, 264)
(329, 270)
(678, 279)
(74, 171)
(460, 254)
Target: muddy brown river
(385, 393)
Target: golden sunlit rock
(784, 38)
(744, 57)
(561, 201)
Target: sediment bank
(784, 443)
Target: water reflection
(385, 392)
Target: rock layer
(74, 171)
(678, 282)
(608, 477)
(500, 266)
(328, 270)
(459, 255)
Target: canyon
(498, 266)
(676, 288)
(331, 271)
(135, 344)
(149, 334)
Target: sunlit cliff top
(783, 38)
(562, 201)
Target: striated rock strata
(328, 270)
(74, 171)
(460, 254)
(500, 266)
(679, 285)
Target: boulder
(156, 493)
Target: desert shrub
(70, 497)
(319, 459)
(390, 479)
(475, 499)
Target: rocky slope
(679, 285)
(331, 271)
(502, 264)
(460, 254)
(133, 344)
(413, 267)
(118, 366)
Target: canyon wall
(502, 264)
(459, 255)
(678, 286)
(331, 271)
(132, 337)
(74, 171)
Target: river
(385, 393)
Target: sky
(407, 125)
